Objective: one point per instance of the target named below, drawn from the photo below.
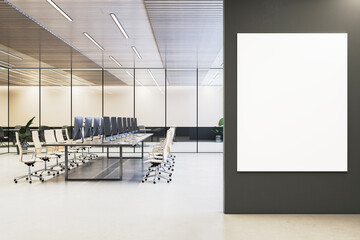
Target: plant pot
(25, 146)
(218, 138)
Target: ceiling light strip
(136, 52)
(117, 22)
(135, 78)
(63, 74)
(116, 61)
(11, 55)
(6, 63)
(152, 76)
(60, 10)
(93, 40)
(216, 74)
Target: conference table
(101, 167)
(151, 130)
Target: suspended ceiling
(172, 34)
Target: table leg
(142, 155)
(121, 163)
(66, 163)
(142, 149)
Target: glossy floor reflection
(190, 207)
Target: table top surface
(150, 130)
(131, 140)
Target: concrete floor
(190, 207)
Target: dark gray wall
(292, 192)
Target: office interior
(159, 68)
(55, 83)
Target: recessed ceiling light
(59, 10)
(93, 40)
(136, 52)
(117, 22)
(9, 64)
(11, 55)
(116, 61)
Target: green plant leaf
(29, 123)
(221, 122)
(22, 130)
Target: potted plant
(24, 134)
(218, 130)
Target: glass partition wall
(189, 99)
(4, 108)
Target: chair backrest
(59, 135)
(166, 151)
(21, 153)
(67, 134)
(49, 136)
(173, 135)
(2, 134)
(36, 139)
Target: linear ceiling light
(11, 55)
(60, 10)
(152, 76)
(216, 74)
(117, 22)
(93, 40)
(116, 61)
(136, 51)
(135, 78)
(58, 72)
(5, 63)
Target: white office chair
(43, 153)
(73, 149)
(29, 162)
(49, 137)
(156, 159)
(60, 138)
(169, 162)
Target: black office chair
(3, 138)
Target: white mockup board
(292, 102)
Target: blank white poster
(292, 102)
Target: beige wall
(181, 106)
(210, 106)
(23, 104)
(119, 101)
(55, 106)
(150, 106)
(3, 106)
(87, 101)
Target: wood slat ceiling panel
(25, 38)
